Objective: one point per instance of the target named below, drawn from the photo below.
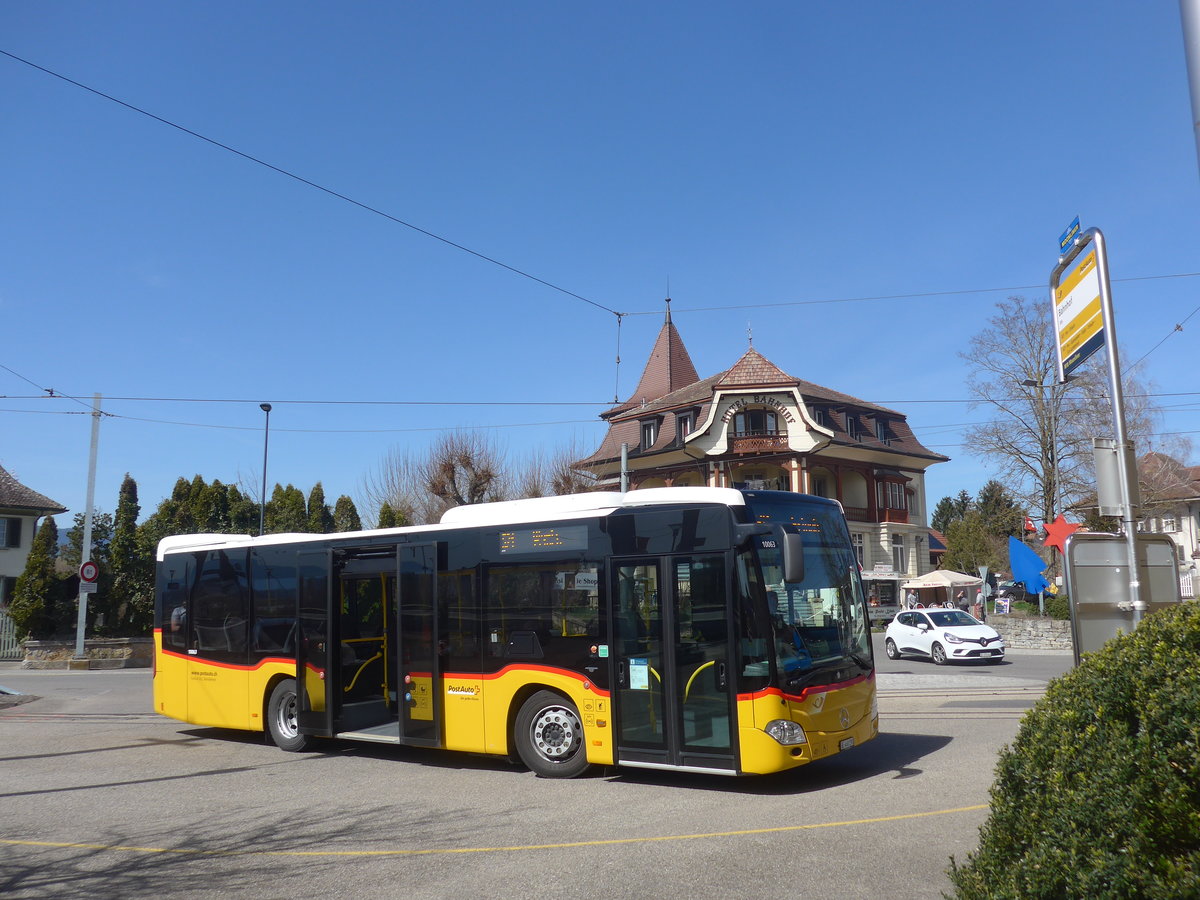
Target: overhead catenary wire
(309, 183)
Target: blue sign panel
(1069, 235)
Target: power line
(255, 402)
(917, 295)
(311, 184)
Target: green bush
(1099, 795)
(1057, 606)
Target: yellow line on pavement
(121, 848)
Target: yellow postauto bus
(699, 629)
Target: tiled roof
(667, 389)
(14, 495)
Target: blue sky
(753, 157)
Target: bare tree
(459, 468)
(552, 473)
(1039, 438)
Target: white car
(943, 635)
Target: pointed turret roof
(668, 369)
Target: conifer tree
(320, 519)
(387, 516)
(38, 595)
(345, 515)
(287, 511)
(130, 591)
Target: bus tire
(281, 718)
(549, 736)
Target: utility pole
(85, 550)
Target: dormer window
(685, 423)
(821, 416)
(854, 428)
(881, 431)
(649, 434)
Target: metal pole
(85, 548)
(1189, 12)
(262, 500)
(624, 468)
(1118, 410)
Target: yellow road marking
(120, 848)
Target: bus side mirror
(792, 545)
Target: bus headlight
(786, 732)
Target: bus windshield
(819, 623)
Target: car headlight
(786, 732)
(952, 638)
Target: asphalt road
(100, 797)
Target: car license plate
(986, 653)
(846, 744)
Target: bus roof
(503, 512)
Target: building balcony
(757, 443)
(863, 514)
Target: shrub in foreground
(1099, 794)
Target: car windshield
(821, 620)
(950, 618)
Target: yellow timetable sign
(1078, 318)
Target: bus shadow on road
(897, 755)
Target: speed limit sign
(89, 572)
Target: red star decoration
(1058, 531)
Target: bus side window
(219, 607)
(176, 573)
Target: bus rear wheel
(549, 736)
(281, 718)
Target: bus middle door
(419, 681)
(673, 674)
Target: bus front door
(673, 681)
(418, 661)
(314, 676)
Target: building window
(819, 485)
(881, 431)
(821, 416)
(1169, 523)
(649, 434)
(856, 538)
(899, 556)
(854, 428)
(755, 421)
(686, 422)
(10, 532)
(892, 495)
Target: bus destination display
(544, 540)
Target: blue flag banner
(1027, 566)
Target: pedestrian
(961, 600)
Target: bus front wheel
(549, 736)
(281, 718)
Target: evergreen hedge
(1099, 795)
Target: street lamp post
(262, 501)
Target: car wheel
(891, 649)
(939, 654)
